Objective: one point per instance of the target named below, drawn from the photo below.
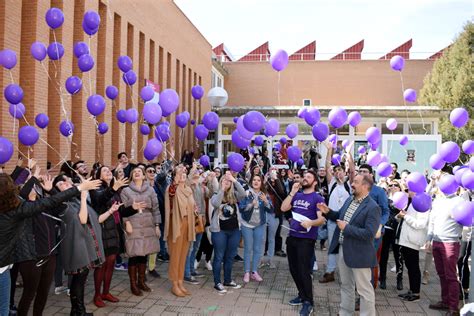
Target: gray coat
(216, 202)
(143, 240)
(78, 249)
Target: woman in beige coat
(179, 227)
(142, 229)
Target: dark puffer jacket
(12, 222)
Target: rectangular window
(398, 130)
(306, 102)
(420, 129)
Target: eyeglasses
(393, 186)
(151, 171)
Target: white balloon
(217, 97)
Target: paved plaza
(267, 298)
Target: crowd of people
(129, 216)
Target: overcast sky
(335, 24)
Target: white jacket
(414, 229)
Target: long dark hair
(8, 194)
(262, 187)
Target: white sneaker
(196, 264)
(315, 266)
(394, 269)
(209, 265)
(60, 289)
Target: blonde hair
(229, 195)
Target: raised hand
(295, 188)
(89, 184)
(229, 176)
(114, 208)
(32, 163)
(47, 182)
(323, 208)
(119, 183)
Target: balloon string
(134, 130)
(279, 77)
(11, 76)
(405, 103)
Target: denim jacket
(246, 207)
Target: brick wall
(164, 45)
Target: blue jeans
(253, 241)
(163, 250)
(5, 293)
(332, 258)
(225, 245)
(189, 267)
(272, 223)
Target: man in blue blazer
(357, 223)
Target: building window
(306, 102)
(398, 130)
(420, 129)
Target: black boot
(399, 282)
(383, 284)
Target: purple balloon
(210, 120)
(197, 92)
(181, 120)
(132, 115)
(205, 161)
(467, 180)
(242, 130)
(436, 162)
(375, 146)
(240, 141)
(88, 30)
(333, 140)
(459, 173)
(447, 184)
(122, 116)
(42, 120)
(373, 135)
(201, 132)
(103, 128)
(81, 48)
(384, 169)
(144, 129)
(468, 147)
(409, 95)
(471, 164)
(271, 128)
(279, 60)
(337, 117)
(111, 92)
(463, 213)
(85, 62)
(73, 84)
(186, 115)
(361, 150)
(277, 146)
(55, 51)
(320, 131)
(421, 202)
(66, 128)
(416, 182)
(235, 119)
(130, 77)
(193, 122)
(354, 118)
(152, 113)
(254, 121)
(13, 93)
(147, 93)
(17, 110)
(54, 18)
(96, 104)
(162, 132)
(336, 159)
(294, 153)
(38, 51)
(373, 158)
(169, 101)
(153, 148)
(258, 140)
(403, 140)
(397, 63)
(391, 124)
(300, 162)
(91, 20)
(400, 200)
(292, 130)
(125, 63)
(28, 135)
(302, 113)
(6, 150)
(8, 58)
(236, 162)
(449, 151)
(312, 116)
(459, 117)
(283, 140)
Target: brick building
(166, 49)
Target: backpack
(346, 186)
